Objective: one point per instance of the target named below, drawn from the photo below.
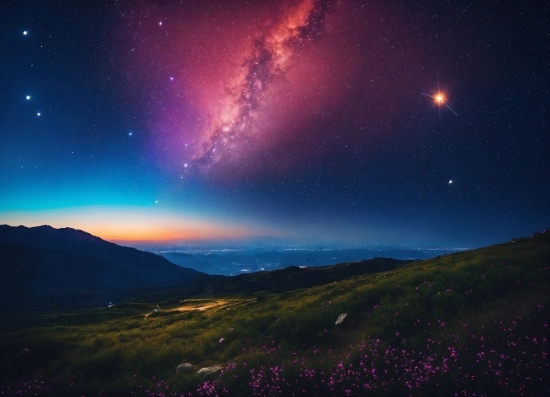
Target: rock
(184, 366)
(341, 318)
(24, 351)
(209, 370)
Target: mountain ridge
(46, 268)
(62, 269)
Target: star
(450, 181)
(28, 97)
(439, 99)
(38, 114)
(25, 32)
(130, 133)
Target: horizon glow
(293, 120)
(136, 224)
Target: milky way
(222, 94)
(269, 60)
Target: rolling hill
(287, 279)
(50, 269)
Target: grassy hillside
(468, 323)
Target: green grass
(473, 302)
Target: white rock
(341, 318)
(184, 366)
(209, 370)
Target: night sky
(307, 121)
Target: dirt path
(204, 304)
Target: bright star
(38, 114)
(450, 181)
(440, 100)
(130, 133)
(25, 32)
(28, 97)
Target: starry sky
(307, 121)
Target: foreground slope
(472, 323)
(45, 269)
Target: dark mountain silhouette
(242, 260)
(44, 268)
(274, 281)
(295, 277)
(192, 262)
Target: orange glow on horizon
(170, 235)
(137, 225)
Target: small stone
(184, 366)
(341, 318)
(209, 370)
